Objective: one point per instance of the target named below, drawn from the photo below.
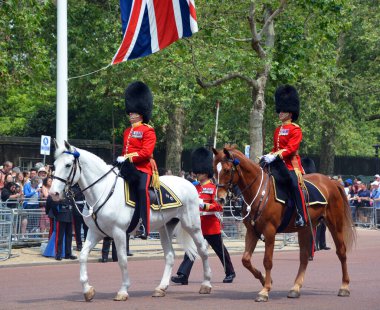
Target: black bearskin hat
(139, 99)
(201, 161)
(286, 98)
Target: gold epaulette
(295, 124)
(147, 125)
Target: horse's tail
(349, 231)
(184, 238)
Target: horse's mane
(96, 161)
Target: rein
(70, 195)
(230, 184)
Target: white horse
(104, 193)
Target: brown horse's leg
(337, 235)
(304, 238)
(250, 245)
(268, 264)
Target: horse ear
(215, 151)
(67, 145)
(56, 145)
(227, 153)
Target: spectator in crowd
(64, 217)
(353, 199)
(377, 178)
(7, 167)
(182, 174)
(32, 193)
(347, 186)
(10, 194)
(20, 180)
(79, 223)
(375, 195)
(363, 195)
(45, 221)
(26, 176)
(15, 170)
(201, 160)
(33, 172)
(320, 236)
(107, 242)
(168, 172)
(191, 177)
(9, 178)
(42, 173)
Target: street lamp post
(377, 147)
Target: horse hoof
(159, 293)
(294, 294)
(90, 294)
(205, 289)
(343, 292)
(121, 297)
(261, 298)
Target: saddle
(161, 199)
(281, 180)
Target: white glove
(120, 159)
(268, 158)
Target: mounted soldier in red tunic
(137, 153)
(286, 140)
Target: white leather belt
(209, 213)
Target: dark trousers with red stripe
(297, 195)
(216, 242)
(63, 229)
(78, 225)
(142, 202)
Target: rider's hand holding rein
(268, 158)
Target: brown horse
(233, 168)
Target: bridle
(70, 179)
(70, 195)
(229, 186)
(235, 162)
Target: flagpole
(216, 122)
(62, 72)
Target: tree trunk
(328, 150)
(257, 117)
(174, 136)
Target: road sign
(45, 145)
(246, 150)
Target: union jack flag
(152, 25)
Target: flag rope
(87, 74)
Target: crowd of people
(29, 190)
(361, 194)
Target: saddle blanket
(281, 195)
(315, 195)
(166, 198)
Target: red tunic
(287, 139)
(210, 223)
(139, 141)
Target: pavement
(141, 249)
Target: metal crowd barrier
(367, 217)
(6, 219)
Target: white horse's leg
(91, 240)
(120, 239)
(166, 243)
(202, 246)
